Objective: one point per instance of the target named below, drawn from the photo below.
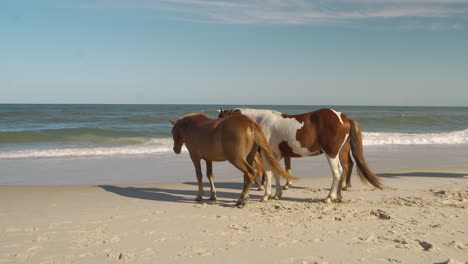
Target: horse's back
(236, 135)
(329, 116)
(234, 125)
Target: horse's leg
(209, 175)
(258, 181)
(287, 165)
(347, 166)
(349, 172)
(267, 178)
(344, 161)
(249, 174)
(337, 171)
(196, 163)
(279, 189)
(257, 163)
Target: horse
(346, 159)
(324, 131)
(236, 139)
(348, 163)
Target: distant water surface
(54, 130)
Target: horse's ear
(172, 122)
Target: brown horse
(323, 131)
(236, 139)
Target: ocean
(70, 131)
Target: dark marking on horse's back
(228, 112)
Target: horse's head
(177, 136)
(228, 112)
(180, 128)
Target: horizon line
(368, 105)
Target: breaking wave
(164, 145)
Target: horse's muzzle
(177, 150)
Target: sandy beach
(421, 217)
(97, 97)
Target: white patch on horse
(338, 114)
(278, 129)
(287, 131)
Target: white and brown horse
(323, 131)
(236, 139)
(346, 160)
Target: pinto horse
(323, 131)
(236, 139)
(346, 160)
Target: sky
(336, 52)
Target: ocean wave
(164, 145)
(385, 138)
(91, 135)
(154, 146)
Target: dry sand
(421, 217)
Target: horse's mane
(195, 114)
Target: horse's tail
(358, 154)
(261, 141)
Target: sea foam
(154, 146)
(164, 145)
(385, 138)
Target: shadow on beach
(423, 174)
(177, 195)
(253, 191)
(221, 185)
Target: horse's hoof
(333, 199)
(213, 198)
(278, 195)
(286, 187)
(344, 188)
(260, 189)
(198, 199)
(264, 199)
(240, 204)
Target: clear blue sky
(351, 52)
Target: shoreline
(171, 168)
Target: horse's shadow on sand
(177, 195)
(423, 174)
(188, 196)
